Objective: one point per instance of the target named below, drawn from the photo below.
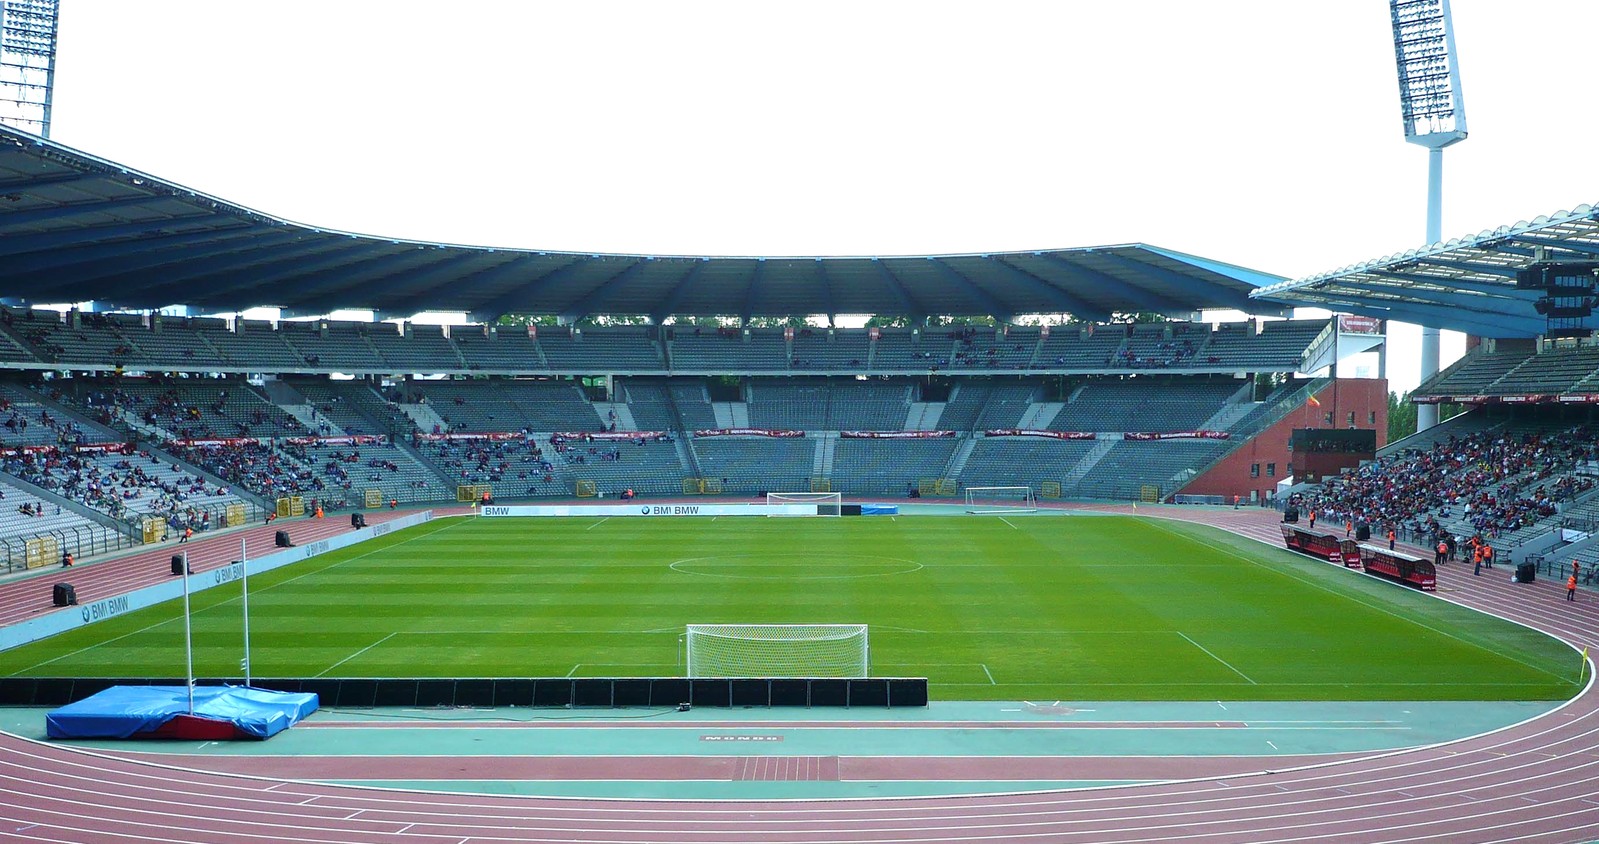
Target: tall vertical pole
(1427, 414)
(188, 635)
(244, 580)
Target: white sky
(1265, 133)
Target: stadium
(1099, 543)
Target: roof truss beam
(1468, 267)
(1145, 298)
(486, 277)
(913, 309)
(31, 216)
(1578, 247)
(684, 284)
(523, 294)
(752, 290)
(1068, 302)
(175, 262)
(46, 242)
(826, 286)
(1225, 297)
(996, 309)
(597, 298)
(239, 294)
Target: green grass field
(1057, 608)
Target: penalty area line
(1007, 521)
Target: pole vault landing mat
(220, 713)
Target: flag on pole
(1313, 402)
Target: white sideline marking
(357, 653)
(598, 523)
(1217, 658)
(990, 675)
(1007, 521)
(1379, 608)
(574, 669)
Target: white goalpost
(992, 500)
(776, 650)
(827, 503)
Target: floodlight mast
(28, 63)
(1435, 117)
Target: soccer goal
(992, 500)
(776, 650)
(827, 503)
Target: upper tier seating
(828, 405)
(622, 348)
(716, 350)
(1140, 404)
(510, 405)
(387, 348)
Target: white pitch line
(986, 671)
(574, 670)
(1007, 521)
(357, 653)
(1217, 658)
(598, 523)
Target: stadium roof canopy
(1467, 284)
(75, 228)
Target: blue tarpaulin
(879, 509)
(126, 711)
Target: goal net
(776, 650)
(1000, 499)
(827, 503)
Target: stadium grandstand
(1134, 397)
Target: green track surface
(1068, 608)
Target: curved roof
(1466, 284)
(78, 228)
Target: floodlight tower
(1435, 117)
(28, 63)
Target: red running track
(1532, 782)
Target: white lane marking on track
(357, 653)
(1217, 658)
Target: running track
(1534, 782)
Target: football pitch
(987, 608)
